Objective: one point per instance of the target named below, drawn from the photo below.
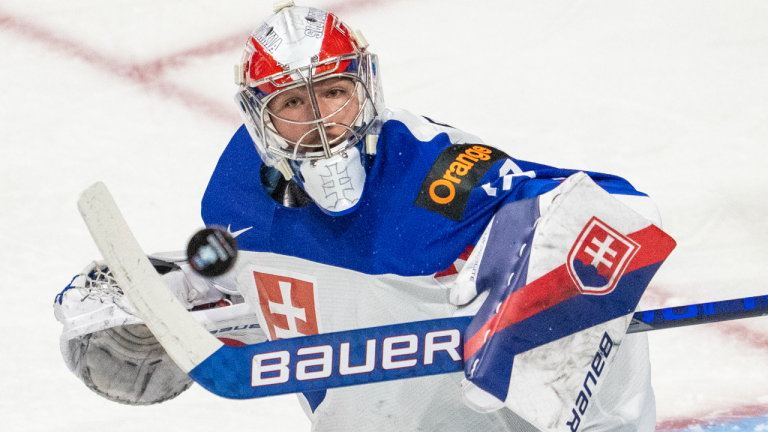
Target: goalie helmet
(310, 96)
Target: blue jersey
(430, 192)
(395, 229)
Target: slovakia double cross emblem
(288, 302)
(599, 258)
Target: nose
(326, 109)
(307, 113)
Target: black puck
(212, 251)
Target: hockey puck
(212, 252)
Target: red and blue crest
(599, 258)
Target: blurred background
(671, 95)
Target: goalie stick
(292, 365)
(188, 343)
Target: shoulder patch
(456, 171)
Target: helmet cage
(360, 67)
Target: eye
(292, 103)
(335, 93)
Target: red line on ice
(148, 75)
(733, 415)
(151, 75)
(735, 330)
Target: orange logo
(453, 176)
(460, 167)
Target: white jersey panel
(425, 130)
(332, 299)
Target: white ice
(672, 95)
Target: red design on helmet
(337, 40)
(296, 48)
(261, 64)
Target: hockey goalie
(350, 215)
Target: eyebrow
(301, 91)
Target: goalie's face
(302, 118)
(310, 96)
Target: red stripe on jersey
(231, 342)
(452, 270)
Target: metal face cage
(316, 142)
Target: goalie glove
(107, 346)
(126, 364)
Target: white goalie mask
(310, 96)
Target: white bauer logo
(397, 351)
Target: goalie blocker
(559, 299)
(561, 295)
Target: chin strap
(285, 169)
(370, 144)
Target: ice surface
(671, 95)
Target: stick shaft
(702, 313)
